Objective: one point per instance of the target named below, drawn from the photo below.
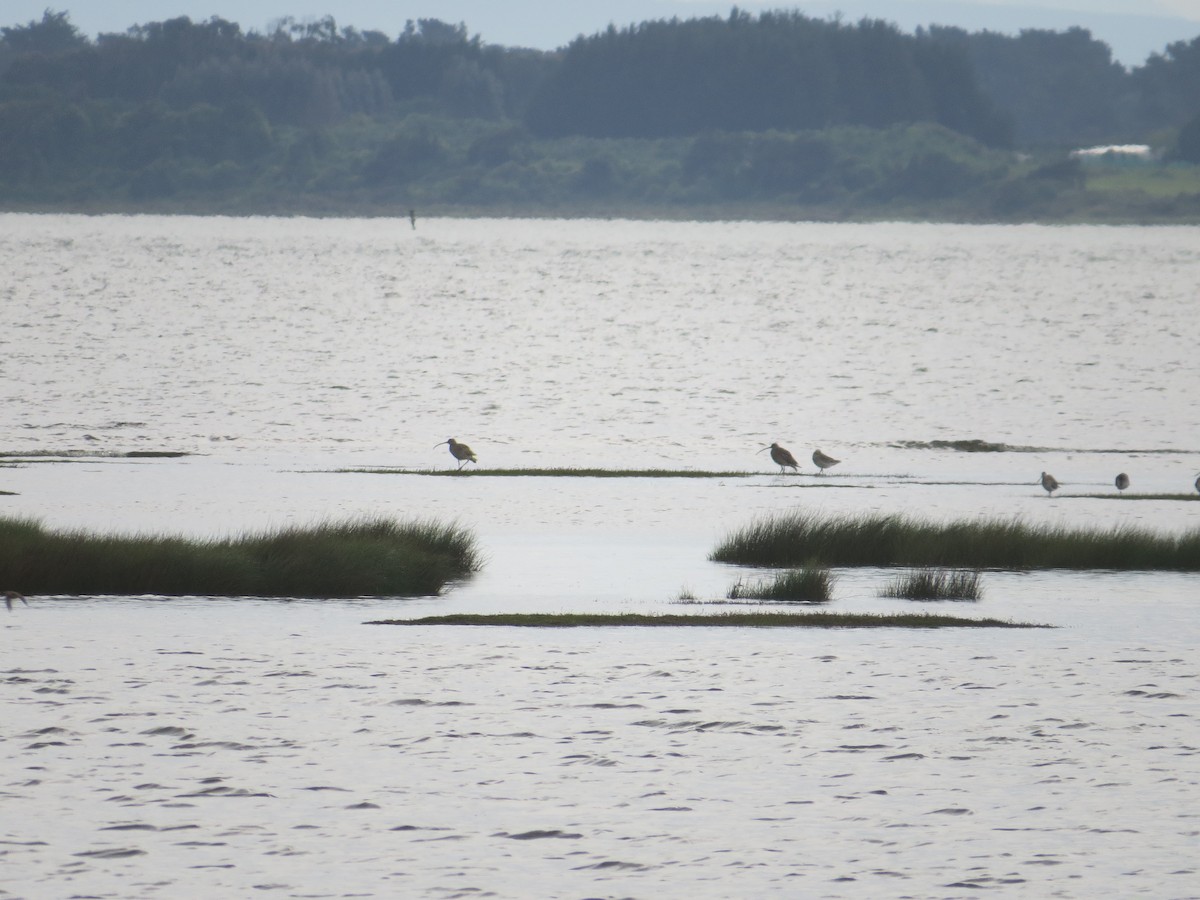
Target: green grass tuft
(935, 584)
(811, 584)
(736, 620)
(895, 540)
(367, 557)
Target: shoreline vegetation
(366, 557)
(724, 619)
(774, 117)
(799, 539)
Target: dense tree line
(753, 105)
(1059, 87)
(745, 73)
(1064, 88)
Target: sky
(1132, 28)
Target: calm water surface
(201, 747)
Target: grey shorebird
(782, 458)
(10, 596)
(1049, 483)
(1122, 481)
(823, 461)
(461, 452)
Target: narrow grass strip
(1125, 495)
(552, 473)
(730, 619)
(367, 557)
(896, 540)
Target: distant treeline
(735, 108)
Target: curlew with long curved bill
(1050, 483)
(823, 461)
(461, 452)
(1122, 481)
(782, 457)
(10, 596)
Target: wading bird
(461, 452)
(823, 462)
(1122, 481)
(1198, 484)
(10, 596)
(1049, 483)
(782, 458)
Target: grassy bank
(894, 540)
(734, 619)
(368, 557)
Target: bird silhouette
(10, 596)
(1049, 483)
(823, 461)
(461, 452)
(1122, 481)
(782, 458)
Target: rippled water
(200, 747)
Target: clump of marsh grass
(935, 584)
(367, 557)
(896, 540)
(810, 584)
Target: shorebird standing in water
(10, 596)
(461, 452)
(823, 461)
(1198, 484)
(782, 458)
(1049, 483)
(1122, 481)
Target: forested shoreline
(770, 116)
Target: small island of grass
(935, 584)
(810, 584)
(897, 540)
(368, 557)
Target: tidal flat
(237, 746)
